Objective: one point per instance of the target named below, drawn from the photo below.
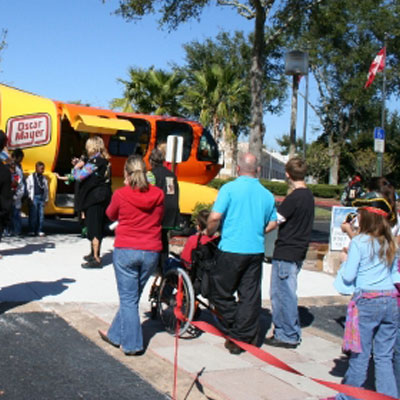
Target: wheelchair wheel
(167, 300)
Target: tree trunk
(334, 164)
(293, 117)
(256, 83)
(235, 151)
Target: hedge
(280, 188)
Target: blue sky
(76, 49)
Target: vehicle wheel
(167, 300)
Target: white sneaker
(41, 234)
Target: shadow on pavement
(22, 293)
(29, 249)
(107, 259)
(341, 365)
(306, 319)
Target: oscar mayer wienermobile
(54, 132)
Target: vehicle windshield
(208, 149)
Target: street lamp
(296, 64)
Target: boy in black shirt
(295, 220)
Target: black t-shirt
(295, 233)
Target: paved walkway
(45, 273)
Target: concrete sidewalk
(45, 273)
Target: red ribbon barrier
(356, 392)
(179, 317)
(353, 391)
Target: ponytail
(135, 170)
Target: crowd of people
(146, 208)
(32, 189)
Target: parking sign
(379, 140)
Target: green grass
(322, 213)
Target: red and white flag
(377, 65)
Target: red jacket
(139, 216)
(191, 244)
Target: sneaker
(41, 234)
(272, 341)
(89, 257)
(91, 264)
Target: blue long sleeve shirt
(363, 268)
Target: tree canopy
(271, 18)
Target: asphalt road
(42, 357)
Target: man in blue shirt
(246, 211)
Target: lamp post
(296, 64)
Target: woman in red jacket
(138, 207)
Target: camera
(350, 217)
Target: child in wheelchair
(199, 238)
(193, 266)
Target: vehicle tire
(167, 300)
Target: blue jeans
(378, 320)
(132, 270)
(285, 315)
(16, 221)
(36, 214)
(396, 358)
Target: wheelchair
(164, 290)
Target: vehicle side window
(166, 128)
(126, 143)
(208, 149)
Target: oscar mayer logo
(28, 131)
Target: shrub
(280, 188)
(326, 191)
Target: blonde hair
(95, 144)
(135, 170)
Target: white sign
(339, 239)
(177, 141)
(379, 140)
(28, 131)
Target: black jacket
(96, 188)
(5, 196)
(166, 180)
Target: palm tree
(218, 96)
(151, 92)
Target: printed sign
(174, 142)
(28, 131)
(338, 239)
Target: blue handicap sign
(379, 133)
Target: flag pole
(379, 160)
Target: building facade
(272, 163)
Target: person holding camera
(94, 177)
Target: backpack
(351, 192)
(203, 261)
